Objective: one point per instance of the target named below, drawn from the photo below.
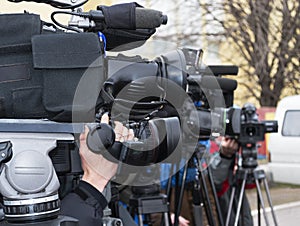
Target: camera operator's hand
(229, 147)
(98, 170)
(182, 220)
(122, 133)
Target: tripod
(203, 192)
(249, 172)
(201, 199)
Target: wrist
(96, 181)
(226, 155)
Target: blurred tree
(266, 36)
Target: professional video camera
(252, 131)
(138, 89)
(173, 101)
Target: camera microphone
(143, 19)
(149, 18)
(131, 16)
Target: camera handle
(5, 152)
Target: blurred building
(44, 10)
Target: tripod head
(249, 155)
(29, 184)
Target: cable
(64, 26)
(68, 7)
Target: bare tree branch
(262, 36)
(266, 33)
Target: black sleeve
(221, 169)
(86, 204)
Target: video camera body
(252, 131)
(173, 97)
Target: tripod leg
(197, 203)
(230, 206)
(198, 216)
(258, 209)
(180, 197)
(261, 201)
(241, 197)
(141, 223)
(168, 193)
(210, 177)
(166, 219)
(207, 203)
(270, 201)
